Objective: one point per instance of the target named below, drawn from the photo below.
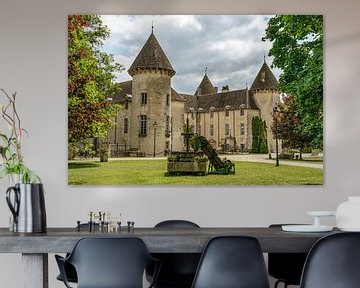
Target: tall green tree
(288, 125)
(259, 138)
(297, 47)
(91, 79)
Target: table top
(158, 240)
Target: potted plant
(26, 198)
(12, 161)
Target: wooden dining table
(35, 247)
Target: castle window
(242, 112)
(126, 125)
(227, 129)
(242, 148)
(167, 126)
(242, 128)
(211, 130)
(192, 115)
(143, 98)
(126, 106)
(167, 99)
(143, 125)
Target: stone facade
(154, 114)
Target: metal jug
(28, 208)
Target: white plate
(306, 228)
(350, 229)
(321, 213)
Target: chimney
(225, 88)
(216, 89)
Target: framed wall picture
(195, 100)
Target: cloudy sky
(229, 46)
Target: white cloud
(229, 45)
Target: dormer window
(263, 76)
(212, 109)
(227, 107)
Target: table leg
(35, 270)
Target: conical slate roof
(151, 56)
(205, 87)
(218, 101)
(265, 79)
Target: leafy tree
(297, 47)
(289, 128)
(91, 75)
(259, 138)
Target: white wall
(33, 57)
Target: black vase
(27, 207)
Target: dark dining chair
(108, 263)
(232, 262)
(70, 271)
(333, 262)
(286, 267)
(178, 269)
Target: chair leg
(279, 281)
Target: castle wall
(157, 86)
(177, 126)
(266, 100)
(157, 110)
(232, 132)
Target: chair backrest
(178, 269)
(333, 262)
(110, 262)
(176, 224)
(232, 262)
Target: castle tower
(205, 86)
(150, 119)
(265, 90)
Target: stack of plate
(316, 227)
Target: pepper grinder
(90, 221)
(78, 226)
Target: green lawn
(152, 172)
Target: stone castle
(154, 115)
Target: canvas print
(195, 100)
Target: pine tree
(259, 138)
